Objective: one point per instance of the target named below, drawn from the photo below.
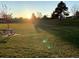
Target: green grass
(70, 34)
(30, 43)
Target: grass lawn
(43, 43)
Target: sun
(26, 14)
(29, 16)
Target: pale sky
(26, 8)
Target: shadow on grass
(4, 39)
(66, 33)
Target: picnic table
(7, 32)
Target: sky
(26, 8)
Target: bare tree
(74, 9)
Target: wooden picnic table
(7, 32)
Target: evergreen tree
(61, 8)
